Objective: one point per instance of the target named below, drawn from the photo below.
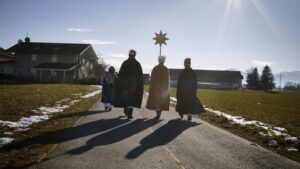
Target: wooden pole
(64, 76)
(159, 49)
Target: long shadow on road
(115, 135)
(161, 136)
(67, 134)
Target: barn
(220, 79)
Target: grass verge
(29, 146)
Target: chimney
(20, 42)
(27, 39)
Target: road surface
(107, 140)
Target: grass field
(18, 101)
(277, 109)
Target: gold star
(160, 38)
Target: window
(34, 57)
(33, 71)
(53, 73)
(54, 58)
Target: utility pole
(280, 76)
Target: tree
(267, 79)
(253, 79)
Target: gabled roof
(48, 48)
(211, 76)
(6, 56)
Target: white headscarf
(161, 59)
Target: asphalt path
(107, 140)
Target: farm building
(212, 78)
(53, 62)
(6, 62)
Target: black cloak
(129, 86)
(187, 101)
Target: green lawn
(278, 109)
(19, 100)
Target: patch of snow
(292, 149)
(22, 129)
(8, 133)
(27, 121)
(49, 110)
(10, 124)
(91, 94)
(74, 102)
(268, 133)
(146, 93)
(280, 129)
(97, 86)
(5, 140)
(290, 138)
(173, 99)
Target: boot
(189, 118)
(126, 111)
(158, 113)
(130, 110)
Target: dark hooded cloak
(187, 101)
(129, 86)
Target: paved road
(107, 140)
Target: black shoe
(189, 118)
(126, 111)
(129, 113)
(181, 116)
(158, 113)
(109, 109)
(106, 108)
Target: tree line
(264, 82)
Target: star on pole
(160, 39)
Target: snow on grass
(292, 149)
(277, 131)
(43, 114)
(5, 140)
(270, 131)
(91, 94)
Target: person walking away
(187, 101)
(129, 86)
(159, 89)
(108, 88)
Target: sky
(215, 34)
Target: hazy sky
(215, 34)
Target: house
(212, 78)
(53, 62)
(6, 63)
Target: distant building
(212, 78)
(7, 61)
(146, 78)
(53, 62)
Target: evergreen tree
(253, 79)
(267, 79)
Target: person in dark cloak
(129, 86)
(108, 88)
(187, 101)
